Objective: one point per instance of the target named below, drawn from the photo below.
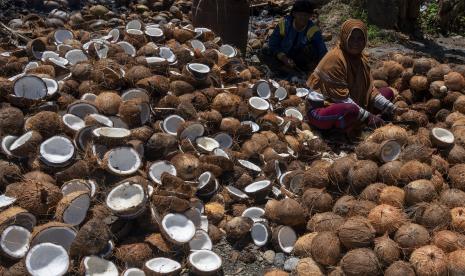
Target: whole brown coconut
(238, 227)
(326, 248)
(458, 219)
(108, 103)
(136, 73)
(186, 165)
(459, 104)
(456, 155)
(362, 174)
(39, 176)
(276, 272)
(11, 121)
(448, 241)
(317, 201)
(387, 250)
(419, 191)
(393, 196)
(457, 176)
(362, 208)
(226, 103)
(361, 261)
(415, 170)
(157, 85)
(159, 145)
(37, 197)
(432, 215)
(303, 245)
(418, 152)
(9, 173)
(429, 260)
(421, 66)
(419, 83)
(435, 74)
(367, 150)
(134, 254)
(344, 205)
(405, 61)
(180, 87)
(91, 239)
(386, 218)
(131, 112)
(317, 175)
(327, 221)
(419, 118)
(456, 263)
(439, 164)
(389, 132)
(308, 267)
(454, 81)
(411, 236)
(286, 212)
(356, 232)
(337, 172)
(47, 123)
(372, 192)
(389, 173)
(399, 268)
(392, 69)
(452, 198)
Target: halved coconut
(52, 86)
(17, 216)
(127, 200)
(26, 144)
(228, 50)
(57, 151)
(75, 56)
(135, 93)
(301, 92)
(158, 168)
(177, 228)
(122, 161)
(195, 216)
(263, 89)
(162, 266)
(93, 265)
(284, 238)
(133, 272)
(235, 193)
(111, 135)
(82, 109)
(280, 93)
(6, 201)
(389, 151)
(83, 138)
(293, 112)
(249, 165)
(72, 208)
(90, 97)
(14, 241)
(197, 45)
(47, 259)
(259, 189)
(207, 144)
(79, 185)
(211, 193)
(134, 24)
(192, 131)
(54, 232)
(73, 123)
(225, 141)
(442, 137)
(47, 55)
(62, 35)
(260, 234)
(108, 250)
(201, 241)
(58, 61)
(101, 119)
(167, 54)
(30, 87)
(207, 183)
(198, 70)
(258, 105)
(171, 124)
(113, 35)
(255, 127)
(255, 213)
(128, 48)
(220, 152)
(205, 262)
(7, 141)
(154, 32)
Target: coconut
(226, 103)
(303, 245)
(411, 236)
(362, 261)
(9, 173)
(159, 145)
(363, 173)
(362, 208)
(17, 216)
(72, 208)
(416, 117)
(317, 175)
(432, 215)
(399, 268)
(186, 165)
(454, 81)
(275, 272)
(392, 69)
(458, 219)
(307, 266)
(448, 241)
(134, 112)
(367, 150)
(26, 145)
(177, 228)
(372, 192)
(260, 234)
(46, 259)
(159, 243)
(418, 152)
(57, 151)
(133, 254)
(327, 221)
(91, 239)
(429, 260)
(284, 238)
(162, 266)
(238, 227)
(389, 173)
(93, 265)
(452, 198)
(438, 89)
(456, 155)
(108, 103)
(415, 170)
(457, 176)
(317, 201)
(418, 191)
(54, 232)
(287, 212)
(133, 272)
(14, 241)
(230, 125)
(11, 120)
(419, 83)
(214, 211)
(326, 248)
(344, 205)
(356, 232)
(122, 161)
(386, 218)
(393, 196)
(127, 199)
(258, 189)
(386, 250)
(421, 66)
(205, 262)
(435, 74)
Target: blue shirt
(285, 39)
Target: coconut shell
(238, 227)
(454, 81)
(411, 236)
(448, 241)
(327, 221)
(362, 261)
(303, 245)
(356, 232)
(108, 103)
(458, 219)
(9, 173)
(326, 248)
(317, 176)
(372, 192)
(91, 239)
(317, 201)
(386, 218)
(286, 212)
(65, 202)
(429, 260)
(362, 174)
(16, 216)
(134, 254)
(393, 196)
(415, 170)
(75, 171)
(419, 191)
(307, 266)
(387, 250)
(11, 121)
(399, 268)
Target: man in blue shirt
(296, 45)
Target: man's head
(302, 10)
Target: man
(296, 45)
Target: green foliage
(429, 19)
(376, 36)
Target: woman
(296, 45)
(344, 96)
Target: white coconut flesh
(73, 122)
(158, 168)
(91, 97)
(301, 92)
(128, 48)
(443, 135)
(75, 56)
(259, 103)
(46, 55)
(205, 179)
(280, 93)
(162, 265)
(57, 150)
(62, 35)
(205, 261)
(286, 239)
(31, 65)
(228, 50)
(167, 54)
(30, 87)
(263, 90)
(47, 259)
(135, 93)
(59, 61)
(255, 213)
(59, 235)
(201, 241)
(198, 45)
(171, 124)
(390, 151)
(23, 139)
(113, 35)
(257, 186)
(292, 112)
(52, 86)
(102, 119)
(111, 132)
(207, 144)
(6, 201)
(178, 227)
(124, 160)
(236, 192)
(255, 127)
(134, 272)
(7, 141)
(154, 32)
(249, 165)
(82, 109)
(192, 132)
(220, 152)
(96, 266)
(134, 24)
(259, 234)
(199, 68)
(77, 210)
(204, 223)
(154, 60)
(126, 196)
(78, 185)
(14, 241)
(225, 140)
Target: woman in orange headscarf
(343, 94)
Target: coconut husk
(303, 245)
(458, 219)
(372, 192)
(159, 145)
(429, 259)
(226, 103)
(422, 66)
(226, 164)
(448, 241)
(454, 81)
(81, 71)
(16, 216)
(456, 155)
(411, 236)
(400, 268)
(339, 169)
(419, 83)
(215, 211)
(344, 205)
(130, 112)
(317, 201)
(416, 152)
(276, 272)
(326, 248)
(387, 250)
(9, 173)
(362, 261)
(327, 221)
(317, 176)
(452, 198)
(367, 150)
(75, 171)
(361, 208)
(286, 212)
(405, 61)
(66, 201)
(356, 232)
(108, 103)
(11, 120)
(415, 170)
(439, 164)
(29, 148)
(186, 165)
(238, 227)
(134, 254)
(307, 266)
(419, 191)
(457, 176)
(393, 196)
(362, 174)
(155, 85)
(91, 239)
(456, 265)
(168, 203)
(386, 218)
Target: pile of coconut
(132, 145)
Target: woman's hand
(287, 61)
(375, 121)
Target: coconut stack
(135, 143)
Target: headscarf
(340, 75)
